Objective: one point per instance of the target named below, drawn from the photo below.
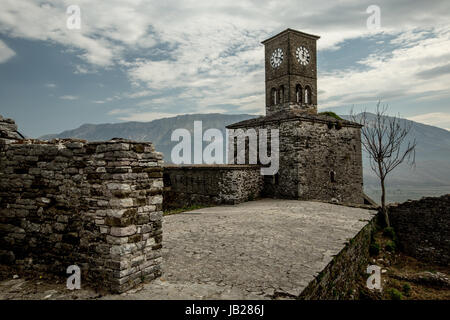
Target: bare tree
(384, 139)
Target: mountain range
(429, 177)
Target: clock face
(277, 58)
(303, 56)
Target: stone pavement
(255, 250)
(261, 249)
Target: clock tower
(291, 72)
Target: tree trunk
(383, 203)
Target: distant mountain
(157, 131)
(431, 175)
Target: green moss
(395, 294)
(331, 114)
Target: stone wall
(96, 205)
(8, 131)
(342, 274)
(423, 228)
(318, 160)
(188, 185)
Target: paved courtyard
(252, 250)
(255, 250)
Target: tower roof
(288, 30)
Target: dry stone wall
(97, 205)
(8, 131)
(423, 228)
(210, 184)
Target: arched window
(308, 95)
(281, 99)
(273, 94)
(298, 93)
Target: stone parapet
(188, 185)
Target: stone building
(319, 155)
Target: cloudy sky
(141, 59)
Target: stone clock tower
(291, 72)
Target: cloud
(439, 119)
(129, 115)
(199, 54)
(434, 72)
(5, 52)
(139, 94)
(398, 73)
(50, 85)
(68, 97)
(79, 69)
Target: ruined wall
(8, 131)
(318, 160)
(210, 184)
(341, 275)
(423, 228)
(96, 205)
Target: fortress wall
(324, 152)
(188, 185)
(95, 205)
(309, 152)
(8, 131)
(423, 228)
(345, 271)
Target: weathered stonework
(290, 74)
(96, 205)
(319, 157)
(423, 228)
(8, 131)
(341, 275)
(210, 184)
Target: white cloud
(6, 53)
(142, 116)
(439, 119)
(210, 52)
(68, 97)
(394, 74)
(50, 85)
(139, 94)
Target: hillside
(431, 175)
